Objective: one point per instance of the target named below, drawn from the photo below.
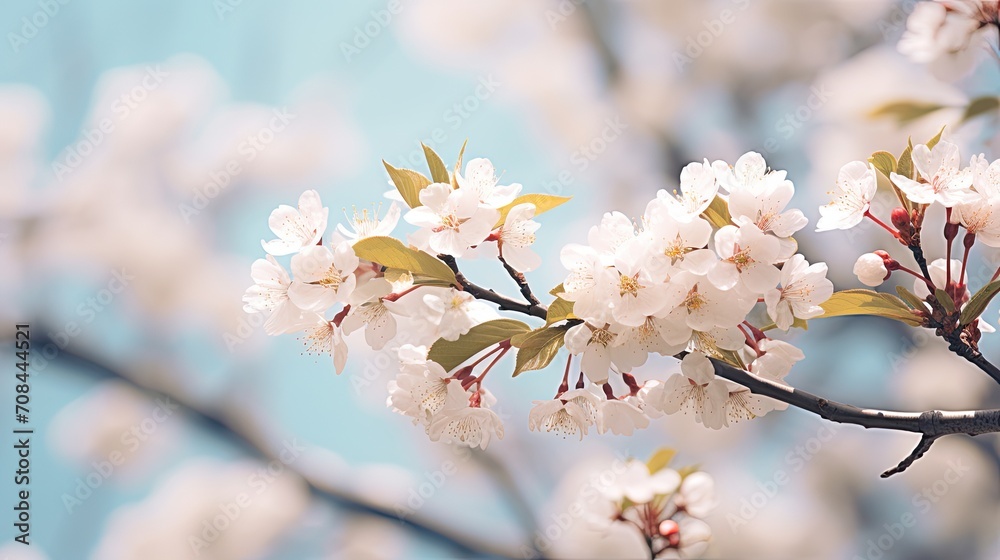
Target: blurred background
(143, 145)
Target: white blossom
(856, 188)
(943, 180)
(365, 225)
(480, 178)
(870, 269)
(297, 227)
(452, 220)
(696, 390)
(270, 294)
(565, 417)
(637, 485)
(747, 257)
(470, 426)
(516, 237)
(323, 278)
(803, 288)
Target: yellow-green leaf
(439, 173)
(537, 349)
(905, 164)
(451, 354)
(884, 162)
(543, 203)
(391, 253)
(559, 310)
(937, 138)
(458, 165)
(979, 302)
(558, 290)
(718, 212)
(661, 459)
(981, 105)
(868, 302)
(911, 298)
(945, 300)
(408, 182)
(905, 111)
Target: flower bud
(901, 219)
(669, 527)
(871, 270)
(890, 263)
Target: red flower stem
(881, 223)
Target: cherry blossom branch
(239, 428)
(522, 282)
(932, 424)
(503, 302)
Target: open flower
(698, 189)
(856, 187)
(364, 225)
(747, 256)
(620, 417)
(270, 294)
(480, 178)
(325, 337)
(638, 486)
(368, 311)
(749, 174)
(565, 417)
(673, 243)
(297, 228)
(469, 426)
(517, 235)
(766, 209)
(423, 388)
(452, 219)
(943, 179)
(323, 277)
(695, 390)
(803, 288)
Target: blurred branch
(235, 428)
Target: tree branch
(239, 429)
(505, 303)
(522, 283)
(931, 424)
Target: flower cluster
(970, 196)
(681, 281)
(333, 292)
(665, 505)
(949, 33)
(677, 282)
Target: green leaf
(945, 300)
(884, 162)
(933, 141)
(458, 165)
(559, 310)
(538, 348)
(796, 323)
(393, 254)
(408, 182)
(543, 203)
(911, 298)
(980, 105)
(451, 354)
(905, 165)
(905, 111)
(558, 290)
(661, 459)
(868, 302)
(718, 212)
(439, 173)
(979, 302)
